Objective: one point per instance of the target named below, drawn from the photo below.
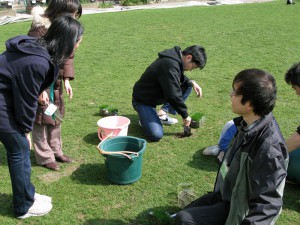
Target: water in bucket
(121, 169)
(112, 126)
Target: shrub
(134, 2)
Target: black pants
(206, 210)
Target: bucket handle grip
(124, 153)
(108, 136)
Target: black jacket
(26, 69)
(252, 174)
(161, 82)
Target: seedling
(197, 120)
(113, 112)
(104, 110)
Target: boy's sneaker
(166, 120)
(212, 150)
(39, 197)
(220, 156)
(39, 208)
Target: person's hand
(29, 139)
(68, 88)
(43, 98)
(187, 121)
(197, 89)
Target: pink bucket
(112, 126)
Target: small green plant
(103, 107)
(104, 110)
(113, 111)
(197, 116)
(160, 217)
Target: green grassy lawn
(116, 49)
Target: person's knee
(155, 136)
(180, 218)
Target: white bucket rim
(109, 117)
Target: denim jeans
(186, 91)
(149, 119)
(293, 172)
(18, 160)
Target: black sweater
(161, 82)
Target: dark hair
(292, 76)
(198, 54)
(57, 7)
(61, 38)
(259, 88)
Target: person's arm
(293, 142)
(196, 88)
(169, 80)
(266, 175)
(68, 72)
(26, 87)
(68, 87)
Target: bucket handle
(124, 153)
(108, 136)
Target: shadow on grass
(291, 197)
(91, 138)
(203, 162)
(6, 209)
(159, 216)
(92, 174)
(104, 222)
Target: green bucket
(123, 158)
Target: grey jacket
(252, 175)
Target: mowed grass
(116, 49)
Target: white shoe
(212, 150)
(220, 156)
(44, 198)
(39, 208)
(166, 120)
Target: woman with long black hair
(27, 67)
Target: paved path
(25, 17)
(162, 5)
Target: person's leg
(215, 214)
(55, 143)
(225, 128)
(167, 108)
(54, 140)
(149, 121)
(18, 159)
(293, 172)
(43, 152)
(203, 211)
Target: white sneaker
(39, 197)
(39, 208)
(166, 120)
(212, 150)
(220, 156)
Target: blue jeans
(293, 172)
(149, 119)
(18, 160)
(186, 91)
